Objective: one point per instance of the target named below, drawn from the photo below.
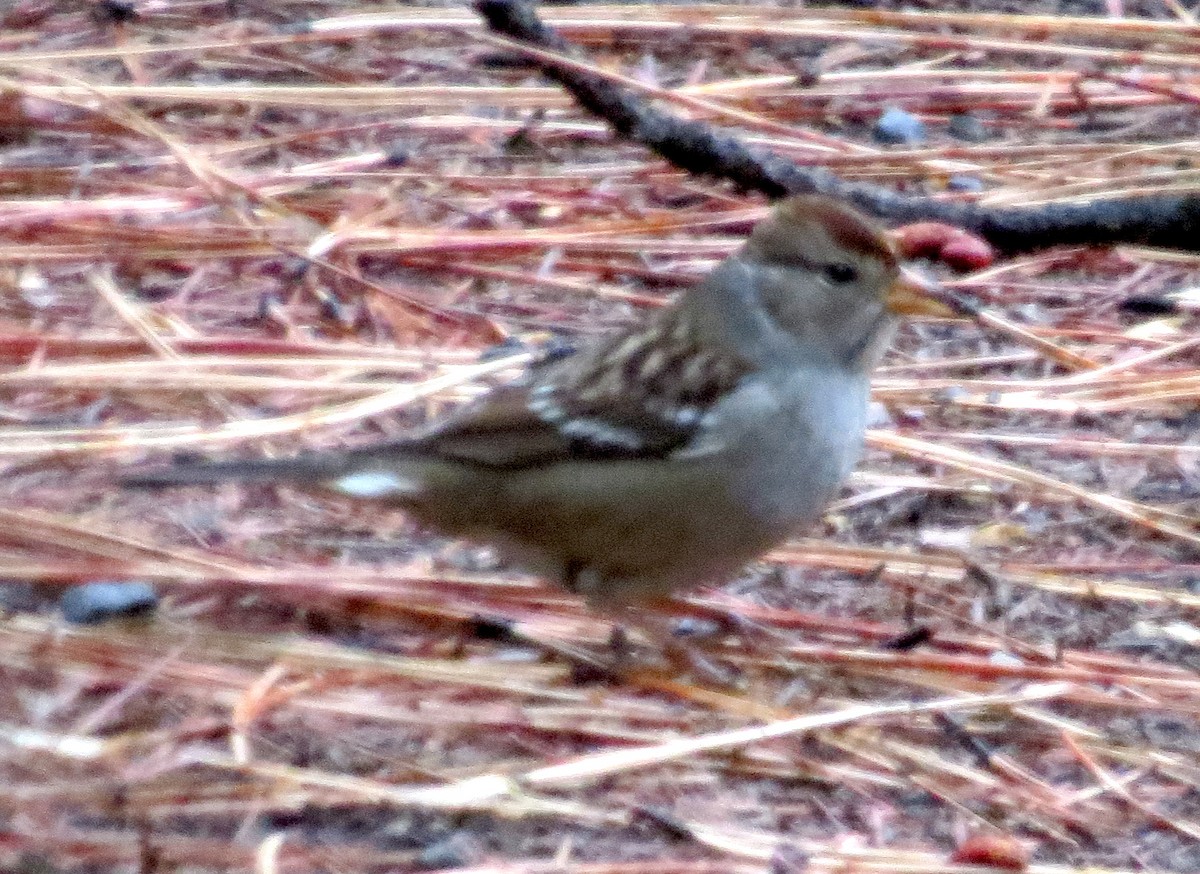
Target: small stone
(965, 183)
(1148, 305)
(398, 155)
(789, 858)
(510, 345)
(93, 603)
(1036, 521)
(896, 126)
(992, 851)
(1005, 660)
(454, 851)
(695, 626)
(967, 126)
(1033, 314)
(555, 348)
(18, 597)
(115, 12)
(35, 289)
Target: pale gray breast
(790, 439)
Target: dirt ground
(241, 228)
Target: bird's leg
(658, 629)
(728, 621)
(584, 664)
(641, 616)
(589, 583)
(619, 643)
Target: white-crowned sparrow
(668, 454)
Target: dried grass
(228, 234)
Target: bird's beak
(914, 295)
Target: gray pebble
(896, 126)
(92, 603)
(967, 127)
(451, 852)
(18, 597)
(964, 183)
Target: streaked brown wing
(633, 397)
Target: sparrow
(666, 455)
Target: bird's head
(829, 278)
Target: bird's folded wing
(643, 403)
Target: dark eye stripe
(794, 259)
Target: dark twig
(1170, 221)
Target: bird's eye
(840, 273)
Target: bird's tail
(313, 468)
(393, 476)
